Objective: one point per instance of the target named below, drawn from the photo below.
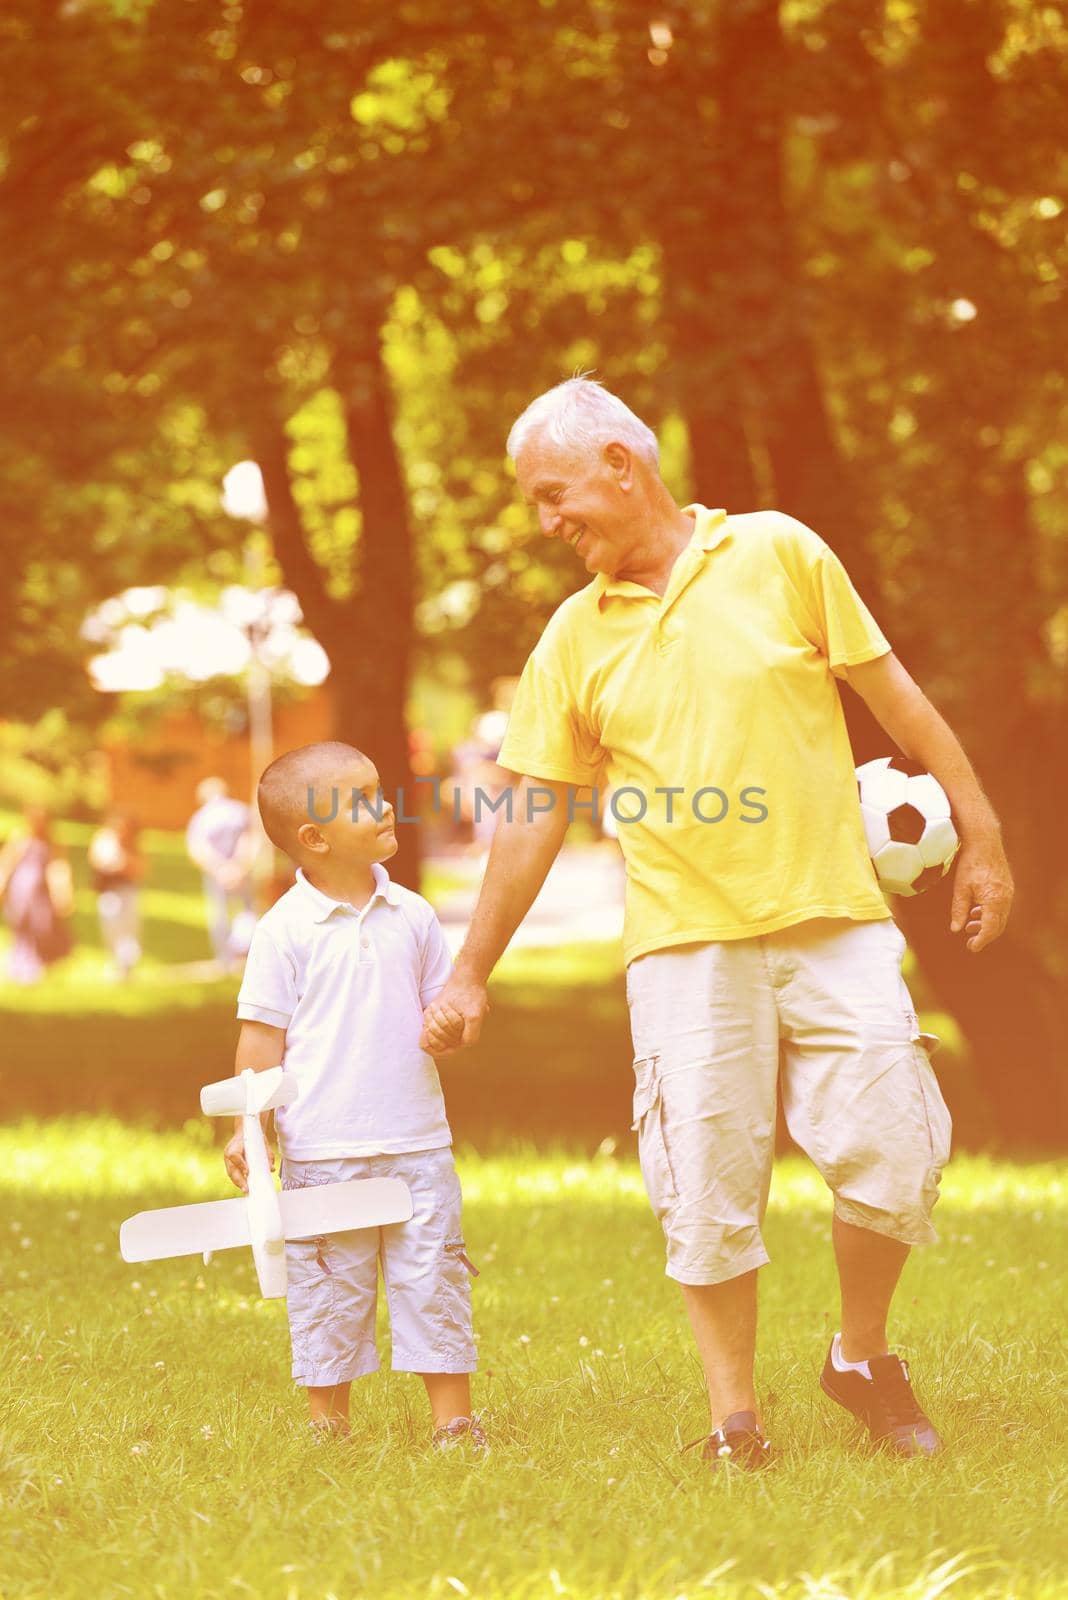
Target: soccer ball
(908, 824)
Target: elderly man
(697, 670)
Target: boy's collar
(325, 905)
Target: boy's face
(360, 826)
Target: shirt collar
(710, 529)
(323, 906)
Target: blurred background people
(38, 898)
(478, 781)
(117, 867)
(220, 842)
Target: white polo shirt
(349, 988)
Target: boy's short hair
(282, 793)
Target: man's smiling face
(578, 498)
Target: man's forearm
(520, 858)
(925, 736)
(919, 729)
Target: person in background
(117, 867)
(218, 839)
(478, 779)
(38, 898)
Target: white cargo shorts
(332, 1298)
(859, 1094)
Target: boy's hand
(235, 1163)
(443, 1029)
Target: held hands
(982, 892)
(454, 1018)
(235, 1163)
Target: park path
(581, 899)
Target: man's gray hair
(581, 414)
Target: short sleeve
(269, 987)
(850, 632)
(546, 735)
(436, 963)
(833, 616)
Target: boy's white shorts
(333, 1281)
(858, 1091)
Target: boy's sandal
(450, 1434)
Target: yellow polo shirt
(723, 690)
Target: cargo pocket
(653, 1155)
(452, 1321)
(457, 1250)
(939, 1122)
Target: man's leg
(706, 1049)
(723, 1317)
(860, 1098)
(869, 1266)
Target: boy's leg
(330, 1300)
(449, 1394)
(330, 1408)
(427, 1283)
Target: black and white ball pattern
(908, 824)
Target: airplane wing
(185, 1230)
(339, 1207)
(306, 1213)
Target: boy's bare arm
(259, 1046)
(524, 848)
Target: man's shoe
(737, 1442)
(885, 1403)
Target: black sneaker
(737, 1442)
(885, 1403)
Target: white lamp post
(244, 497)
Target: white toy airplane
(264, 1218)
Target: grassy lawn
(154, 1445)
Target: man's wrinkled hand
(454, 1018)
(982, 893)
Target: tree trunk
(1011, 1009)
(1012, 1000)
(369, 639)
(702, 375)
(372, 682)
(767, 316)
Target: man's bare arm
(524, 848)
(981, 876)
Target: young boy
(338, 974)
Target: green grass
(153, 1444)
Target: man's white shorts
(858, 1091)
(333, 1280)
